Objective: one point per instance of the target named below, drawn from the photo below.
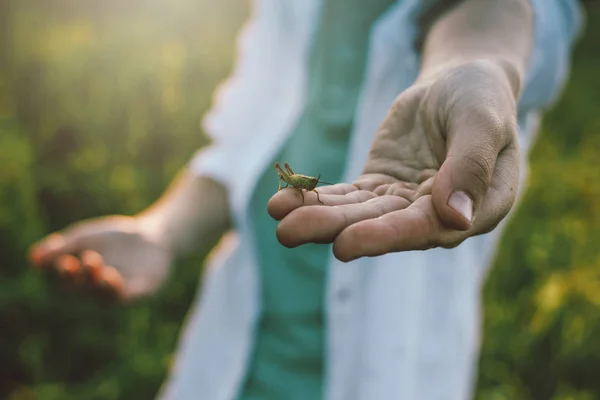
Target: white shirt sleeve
(237, 104)
(557, 24)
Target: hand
(115, 257)
(442, 167)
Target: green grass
(100, 104)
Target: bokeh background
(100, 105)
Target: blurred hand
(442, 167)
(111, 257)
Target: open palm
(108, 256)
(445, 153)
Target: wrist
(191, 216)
(503, 71)
(156, 223)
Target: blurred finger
(68, 241)
(287, 200)
(44, 252)
(92, 263)
(324, 224)
(69, 270)
(111, 283)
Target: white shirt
(400, 326)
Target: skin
(453, 131)
(124, 258)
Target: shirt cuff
(211, 162)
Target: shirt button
(343, 295)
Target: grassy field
(100, 104)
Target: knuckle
(501, 125)
(478, 170)
(409, 95)
(400, 190)
(492, 119)
(485, 111)
(478, 163)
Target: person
(426, 111)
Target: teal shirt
(288, 358)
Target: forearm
(481, 30)
(192, 214)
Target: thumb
(461, 184)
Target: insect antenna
(324, 183)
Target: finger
(68, 268)
(92, 264)
(324, 224)
(400, 188)
(501, 194)
(111, 283)
(474, 140)
(340, 188)
(414, 228)
(45, 252)
(370, 182)
(287, 200)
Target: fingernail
(462, 204)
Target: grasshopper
(298, 181)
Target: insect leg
(302, 194)
(282, 175)
(318, 199)
(288, 168)
(280, 180)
